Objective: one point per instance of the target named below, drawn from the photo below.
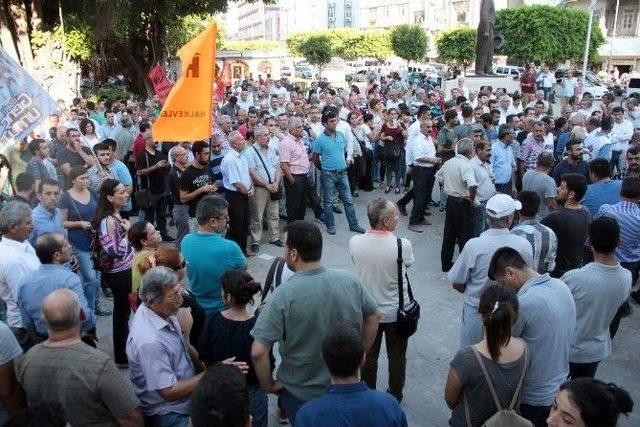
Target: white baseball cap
(502, 205)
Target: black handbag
(409, 314)
(144, 198)
(278, 194)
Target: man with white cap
(469, 273)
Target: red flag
(160, 81)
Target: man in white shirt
(17, 259)
(246, 100)
(486, 188)
(239, 189)
(421, 155)
(546, 80)
(620, 135)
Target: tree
(245, 45)
(409, 42)
(317, 50)
(457, 45)
(545, 33)
(368, 44)
(183, 29)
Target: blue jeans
(171, 419)
(471, 329)
(480, 221)
(332, 181)
(375, 163)
(291, 405)
(90, 277)
(259, 402)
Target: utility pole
(613, 34)
(588, 42)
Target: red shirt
(528, 83)
(138, 145)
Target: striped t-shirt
(543, 241)
(628, 216)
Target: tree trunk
(7, 41)
(36, 14)
(18, 14)
(138, 73)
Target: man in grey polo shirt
(469, 273)
(300, 312)
(546, 322)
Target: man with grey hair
(179, 158)
(469, 273)
(375, 255)
(164, 367)
(237, 183)
(124, 140)
(458, 178)
(17, 259)
(206, 244)
(82, 379)
(222, 130)
(264, 168)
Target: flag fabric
(160, 82)
(24, 104)
(187, 113)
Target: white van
(634, 84)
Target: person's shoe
(282, 416)
(255, 247)
(331, 230)
(282, 216)
(101, 310)
(427, 212)
(402, 208)
(336, 209)
(415, 228)
(277, 243)
(424, 222)
(357, 229)
(167, 238)
(108, 293)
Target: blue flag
(24, 104)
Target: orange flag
(187, 113)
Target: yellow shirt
(135, 272)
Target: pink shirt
(292, 151)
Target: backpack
(503, 417)
(273, 280)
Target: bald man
(82, 379)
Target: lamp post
(588, 43)
(613, 34)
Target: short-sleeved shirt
(543, 241)
(530, 150)
(504, 377)
(565, 167)
(268, 156)
(299, 326)
(193, 178)
(79, 238)
(199, 249)
(235, 169)
(605, 192)
(457, 175)
(571, 229)
(293, 152)
(72, 157)
(331, 148)
(598, 291)
(158, 358)
(82, 379)
(543, 185)
(9, 350)
(628, 216)
(156, 180)
(546, 322)
(502, 162)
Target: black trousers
(239, 217)
(582, 370)
(157, 214)
(120, 284)
(458, 228)
(296, 198)
(421, 191)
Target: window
(627, 19)
(332, 14)
(347, 14)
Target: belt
(299, 174)
(338, 171)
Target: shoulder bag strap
(400, 285)
(487, 378)
(73, 203)
(524, 373)
(466, 409)
(146, 156)
(281, 264)
(269, 280)
(263, 164)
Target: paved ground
(437, 340)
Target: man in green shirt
(300, 312)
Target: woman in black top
(226, 334)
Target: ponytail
(499, 310)
(599, 403)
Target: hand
(162, 163)
(86, 225)
(251, 193)
(209, 188)
(241, 367)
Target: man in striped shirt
(627, 213)
(543, 240)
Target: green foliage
(110, 94)
(368, 44)
(77, 40)
(545, 33)
(185, 28)
(409, 42)
(457, 45)
(246, 45)
(317, 49)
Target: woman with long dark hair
(392, 137)
(115, 254)
(587, 402)
(88, 129)
(505, 359)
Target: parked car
(285, 71)
(358, 76)
(510, 70)
(303, 73)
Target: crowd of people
(543, 207)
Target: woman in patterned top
(115, 255)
